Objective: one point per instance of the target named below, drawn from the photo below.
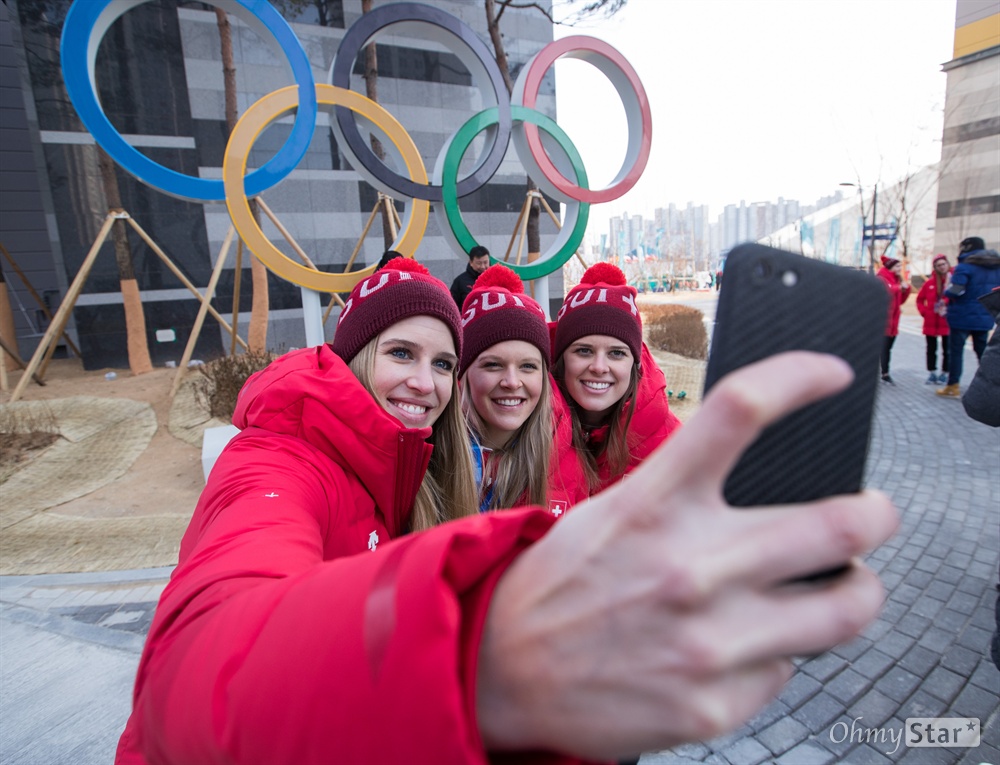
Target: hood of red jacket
(312, 394)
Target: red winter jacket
(297, 626)
(566, 477)
(927, 298)
(898, 293)
(651, 425)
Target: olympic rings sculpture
(543, 148)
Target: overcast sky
(756, 99)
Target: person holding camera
(338, 598)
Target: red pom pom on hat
(498, 275)
(407, 264)
(604, 273)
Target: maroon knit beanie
(400, 289)
(496, 310)
(889, 262)
(940, 257)
(601, 304)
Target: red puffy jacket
(898, 293)
(296, 627)
(927, 298)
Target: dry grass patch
(216, 390)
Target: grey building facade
(160, 82)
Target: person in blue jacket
(977, 274)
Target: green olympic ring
(450, 216)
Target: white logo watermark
(952, 732)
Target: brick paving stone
(875, 707)
(928, 607)
(984, 753)
(923, 704)
(847, 686)
(878, 629)
(783, 734)
(944, 684)
(693, 751)
(974, 702)
(913, 625)
(973, 585)
(746, 752)
(920, 660)
(837, 736)
(819, 711)
(986, 676)
(985, 571)
(928, 756)
(958, 559)
(928, 563)
(962, 660)
(949, 575)
(937, 639)
(898, 684)
(975, 639)
(719, 743)
(895, 644)
(824, 666)
(807, 754)
(919, 578)
(799, 689)
(963, 603)
(865, 755)
(893, 610)
(854, 649)
(940, 590)
(873, 663)
(773, 712)
(890, 579)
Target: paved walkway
(69, 644)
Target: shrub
(676, 329)
(222, 379)
(24, 431)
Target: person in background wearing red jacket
(932, 304)
(615, 391)
(891, 275)
(304, 623)
(507, 394)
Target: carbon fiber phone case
(819, 450)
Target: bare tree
(494, 12)
(259, 308)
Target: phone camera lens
(761, 270)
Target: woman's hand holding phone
(656, 613)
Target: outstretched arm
(655, 613)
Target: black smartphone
(772, 301)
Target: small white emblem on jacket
(373, 541)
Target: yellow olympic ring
(234, 167)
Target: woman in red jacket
(932, 304)
(614, 390)
(506, 393)
(304, 625)
(899, 290)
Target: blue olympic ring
(85, 27)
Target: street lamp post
(871, 241)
